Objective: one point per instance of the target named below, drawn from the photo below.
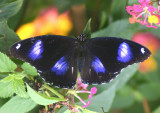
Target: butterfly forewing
(107, 56)
(59, 58)
(54, 57)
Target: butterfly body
(58, 59)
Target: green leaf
(6, 65)
(150, 91)
(125, 75)
(29, 69)
(103, 19)
(19, 88)
(87, 29)
(40, 98)
(157, 110)
(9, 37)
(123, 101)
(11, 77)
(3, 101)
(103, 99)
(18, 105)
(106, 92)
(83, 111)
(6, 89)
(121, 28)
(17, 76)
(131, 2)
(118, 9)
(9, 8)
(88, 111)
(7, 78)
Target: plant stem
(146, 106)
(53, 91)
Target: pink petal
(87, 104)
(90, 96)
(80, 84)
(147, 1)
(140, 1)
(151, 9)
(128, 9)
(75, 110)
(152, 26)
(79, 80)
(93, 90)
(84, 86)
(137, 8)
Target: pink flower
(81, 85)
(84, 106)
(137, 8)
(140, 13)
(152, 42)
(151, 9)
(82, 88)
(93, 90)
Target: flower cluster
(49, 21)
(153, 43)
(82, 88)
(144, 13)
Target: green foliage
(6, 65)
(15, 84)
(29, 69)
(18, 105)
(9, 8)
(120, 28)
(8, 37)
(87, 29)
(150, 90)
(6, 90)
(42, 99)
(157, 110)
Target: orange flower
(133, 19)
(48, 22)
(153, 44)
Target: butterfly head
(81, 37)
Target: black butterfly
(58, 59)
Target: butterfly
(58, 59)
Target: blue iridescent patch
(36, 50)
(60, 67)
(124, 53)
(97, 65)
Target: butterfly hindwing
(54, 57)
(105, 57)
(93, 70)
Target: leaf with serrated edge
(5, 89)
(18, 105)
(9, 8)
(19, 88)
(40, 98)
(29, 69)
(7, 78)
(6, 65)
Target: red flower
(153, 43)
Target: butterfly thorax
(81, 38)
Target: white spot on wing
(72, 70)
(18, 46)
(142, 50)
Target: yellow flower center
(153, 19)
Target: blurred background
(141, 93)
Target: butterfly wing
(105, 57)
(54, 57)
